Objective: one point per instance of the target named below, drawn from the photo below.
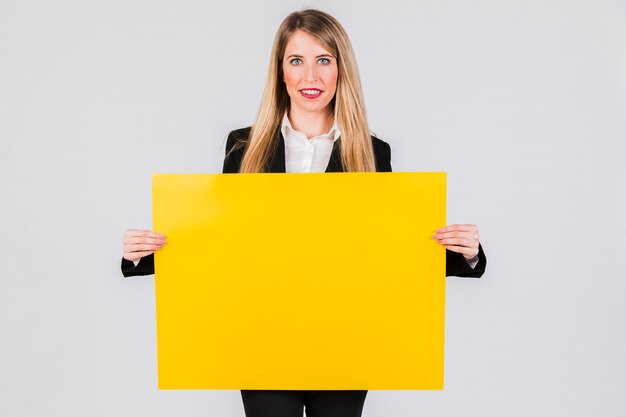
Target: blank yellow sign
(324, 281)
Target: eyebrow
(319, 56)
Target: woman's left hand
(461, 238)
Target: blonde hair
(355, 144)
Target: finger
(142, 233)
(464, 235)
(463, 250)
(152, 240)
(458, 228)
(468, 243)
(141, 247)
(135, 256)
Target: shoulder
(235, 145)
(240, 133)
(382, 153)
(237, 138)
(379, 144)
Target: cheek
(290, 79)
(331, 79)
(335, 82)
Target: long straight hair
(355, 144)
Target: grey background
(522, 102)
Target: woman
(311, 119)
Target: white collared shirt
(307, 155)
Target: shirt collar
(334, 131)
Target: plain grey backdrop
(523, 103)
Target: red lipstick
(311, 93)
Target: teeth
(311, 92)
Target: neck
(311, 124)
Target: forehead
(301, 43)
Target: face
(310, 73)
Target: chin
(313, 109)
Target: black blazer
(456, 264)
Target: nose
(311, 72)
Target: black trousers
(264, 403)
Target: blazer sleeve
(144, 267)
(456, 265)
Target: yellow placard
(324, 281)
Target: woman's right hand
(140, 243)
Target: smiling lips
(311, 93)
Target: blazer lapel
(277, 164)
(334, 164)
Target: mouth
(311, 93)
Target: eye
(293, 61)
(324, 61)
